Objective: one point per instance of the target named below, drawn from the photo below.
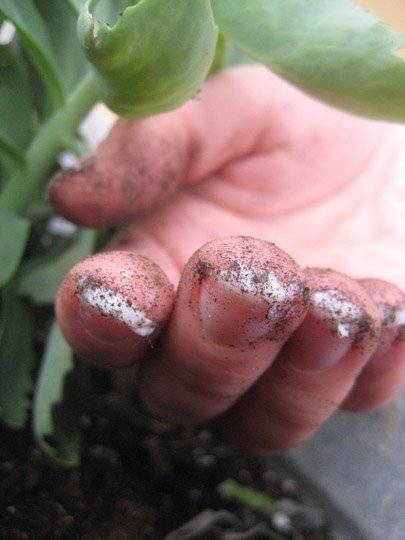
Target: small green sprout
(248, 497)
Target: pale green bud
(153, 57)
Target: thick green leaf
(8, 164)
(17, 119)
(108, 11)
(14, 232)
(61, 21)
(41, 279)
(55, 413)
(221, 51)
(330, 48)
(154, 58)
(76, 5)
(16, 361)
(9, 152)
(34, 35)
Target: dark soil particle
(138, 480)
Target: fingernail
(338, 321)
(108, 314)
(390, 301)
(242, 303)
(112, 306)
(326, 335)
(392, 330)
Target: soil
(139, 481)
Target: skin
(265, 346)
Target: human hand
(266, 348)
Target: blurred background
(393, 11)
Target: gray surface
(356, 465)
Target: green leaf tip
(332, 49)
(57, 402)
(154, 57)
(34, 35)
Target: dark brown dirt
(137, 481)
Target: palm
(324, 186)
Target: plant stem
(40, 158)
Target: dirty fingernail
(390, 301)
(250, 293)
(340, 318)
(112, 304)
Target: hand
(266, 348)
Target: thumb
(140, 164)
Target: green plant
(246, 496)
(140, 57)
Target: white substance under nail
(113, 304)
(260, 282)
(391, 316)
(344, 312)
(400, 317)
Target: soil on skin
(137, 481)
